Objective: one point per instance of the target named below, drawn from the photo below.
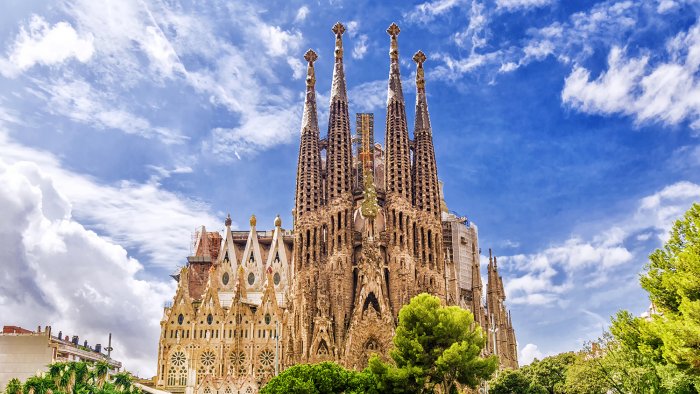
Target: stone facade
(370, 232)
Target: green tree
(38, 385)
(434, 346)
(514, 382)
(550, 372)
(122, 381)
(14, 386)
(673, 282)
(101, 370)
(322, 378)
(74, 378)
(585, 375)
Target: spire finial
(278, 221)
(227, 222)
(420, 58)
(310, 57)
(394, 31)
(338, 29)
(253, 221)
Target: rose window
(178, 359)
(267, 358)
(207, 358)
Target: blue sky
(567, 130)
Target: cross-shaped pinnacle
(393, 30)
(419, 58)
(310, 56)
(338, 29)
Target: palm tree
(55, 372)
(101, 370)
(37, 385)
(122, 381)
(14, 386)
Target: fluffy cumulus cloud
(529, 353)
(580, 263)
(41, 43)
(165, 220)
(58, 273)
(666, 92)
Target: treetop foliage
(75, 377)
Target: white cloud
(529, 353)
(139, 43)
(161, 53)
(298, 68)
(165, 220)
(41, 43)
(58, 273)
(474, 38)
(360, 48)
(428, 11)
(78, 101)
(360, 45)
(257, 132)
(667, 92)
(578, 263)
(369, 96)
(666, 6)
(511, 5)
(302, 13)
(277, 41)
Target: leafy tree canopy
(322, 378)
(434, 345)
(673, 282)
(550, 372)
(514, 381)
(75, 377)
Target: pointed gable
(252, 260)
(277, 262)
(227, 252)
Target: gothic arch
(371, 300)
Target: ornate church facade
(370, 231)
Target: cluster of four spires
(400, 174)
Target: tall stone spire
(339, 157)
(425, 181)
(398, 157)
(308, 193)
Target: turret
(398, 165)
(339, 157)
(426, 193)
(308, 192)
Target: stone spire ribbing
(398, 162)
(425, 181)
(308, 193)
(339, 157)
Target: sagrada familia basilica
(370, 231)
